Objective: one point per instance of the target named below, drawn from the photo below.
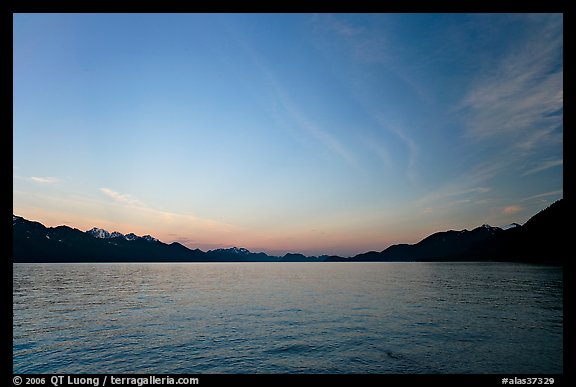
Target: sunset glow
(318, 134)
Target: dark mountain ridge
(540, 239)
(447, 245)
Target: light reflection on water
(288, 317)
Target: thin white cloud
(543, 195)
(544, 166)
(371, 45)
(521, 99)
(412, 147)
(165, 217)
(120, 198)
(311, 129)
(452, 194)
(366, 44)
(306, 126)
(44, 180)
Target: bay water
(450, 318)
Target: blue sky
(321, 134)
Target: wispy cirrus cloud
(411, 146)
(121, 198)
(366, 46)
(453, 193)
(558, 193)
(544, 165)
(162, 216)
(44, 179)
(520, 99)
(304, 124)
(322, 136)
(512, 109)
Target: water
(288, 318)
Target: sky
(312, 133)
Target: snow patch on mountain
(149, 238)
(234, 250)
(489, 228)
(98, 233)
(103, 234)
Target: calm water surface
(288, 318)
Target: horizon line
(273, 254)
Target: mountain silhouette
(447, 245)
(236, 254)
(297, 257)
(33, 242)
(540, 240)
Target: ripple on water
(287, 318)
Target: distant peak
(486, 228)
(98, 233)
(149, 238)
(234, 250)
(103, 234)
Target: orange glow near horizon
(337, 242)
